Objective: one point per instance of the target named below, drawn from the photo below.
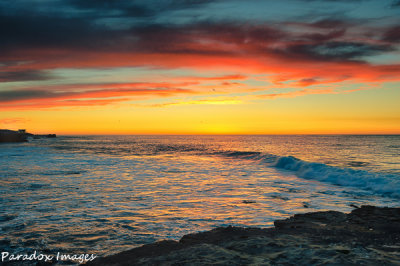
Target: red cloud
(324, 55)
(87, 94)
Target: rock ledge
(367, 236)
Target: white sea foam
(115, 191)
(385, 184)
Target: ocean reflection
(103, 195)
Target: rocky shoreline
(367, 236)
(7, 135)
(21, 135)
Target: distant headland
(7, 135)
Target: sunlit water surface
(105, 194)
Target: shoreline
(368, 235)
(12, 136)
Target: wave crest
(386, 184)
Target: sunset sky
(200, 67)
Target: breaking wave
(379, 183)
(385, 184)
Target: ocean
(106, 194)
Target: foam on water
(380, 183)
(106, 194)
(384, 184)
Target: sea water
(106, 194)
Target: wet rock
(309, 220)
(44, 136)
(12, 136)
(248, 201)
(367, 236)
(132, 257)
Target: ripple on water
(72, 199)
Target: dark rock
(221, 234)
(367, 236)
(12, 136)
(44, 136)
(248, 201)
(21, 135)
(382, 219)
(132, 256)
(312, 219)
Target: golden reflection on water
(184, 192)
(108, 200)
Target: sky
(200, 67)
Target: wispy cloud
(195, 102)
(303, 92)
(16, 120)
(87, 94)
(301, 51)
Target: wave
(380, 183)
(383, 184)
(250, 155)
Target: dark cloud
(30, 31)
(258, 40)
(204, 38)
(336, 51)
(396, 3)
(343, 1)
(198, 38)
(330, 23)
(24, 75)
(22, 30)
(47, 31)
(115, 7)
(323, 37)
(123, 8)
(392, 34)
(8, 96)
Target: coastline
(368, 235)
(7, 136)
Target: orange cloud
(304, 92)
(87, 94)
(288, 58)
(7, 121)
(197, 102)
